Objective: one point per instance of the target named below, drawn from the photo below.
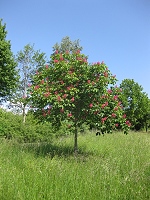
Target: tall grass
(115, 167)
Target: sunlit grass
(114, 167)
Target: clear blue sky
(115, 31)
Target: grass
(115, 167)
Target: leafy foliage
(12, 128)
(28, 61)
(135, 102)
(8, 72)
(71, 88)
(67, 45)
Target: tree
(70, 88)
(135, 103)
(28, 61)
(67, 45)
(8, 72)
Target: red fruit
(88, 81)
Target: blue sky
(114, 31)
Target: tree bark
(146, 127)
(76, 141)
(24, 115)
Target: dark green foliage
(11, 127)
(8, 72)
(136, 103)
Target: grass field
(113, 167)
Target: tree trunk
(24, 115)
(76, 141)
(146, 127)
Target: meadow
(113, 167)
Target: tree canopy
(72, 89)
(8, 72)
(28, 61)
(135, 103)
(67, 45)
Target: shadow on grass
(51, 150)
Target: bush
(11, 127)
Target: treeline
(64, 90)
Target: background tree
(28, 61)
(67, 45)
(70, 88)
(8, 72)
(135, 103)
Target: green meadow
(115, 167)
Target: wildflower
(61, 110)
(58, 98)
(56, 61)
(44, 114)
(103, 119)
(128, 123)
(72, 99)
(69, 115)
(124, 116)
(42, 81)
(113, 115)
(64, 96)
(115, 97)
(47, 94)
(115, 108)
(48, 112)
(109, 91)
(105, 74)
(78, 51)
(91, 105)
(36, 87)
